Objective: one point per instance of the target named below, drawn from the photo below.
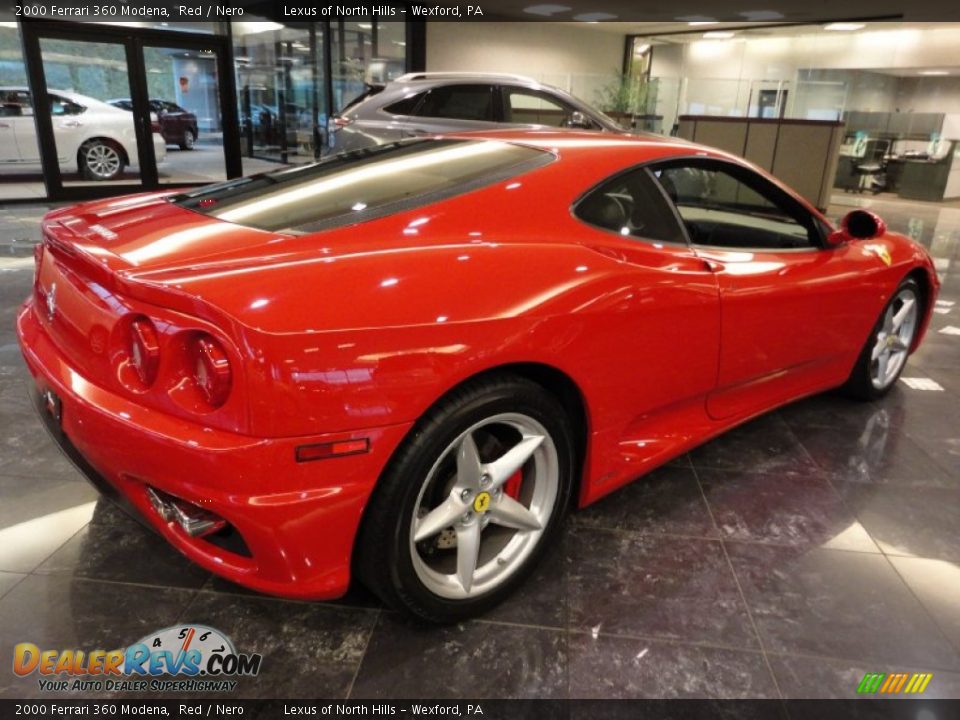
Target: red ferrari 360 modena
(407, 362)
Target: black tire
(189, 139)
(384, 560)
(860, 385)
(100, 159)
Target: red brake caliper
(512, 486)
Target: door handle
(4, 125)
(71, 123)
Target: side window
(16, 97)
(732, 207)
(631, 205)
(459, 102)
(529, 107)
(405, 106)
(62, 106)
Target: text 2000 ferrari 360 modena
(407, 363)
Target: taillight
(154, 123)
(144, 350)
(211, 369)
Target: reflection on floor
(706, 579)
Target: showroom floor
(787, 558)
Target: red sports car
(406, 363)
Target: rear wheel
(885, 354)
(100, 159)
(189, 140)
(470, 502)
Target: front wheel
(885, 354)
(100, 160)
(470, 502)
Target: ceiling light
(934, 72)
(702, 22)
(719, 34)
(252, 28)
(546, 9)
(844, 26)
(762, 15)
(365, 26)
(594, 17)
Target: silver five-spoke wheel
(894, 338)
(484, 505)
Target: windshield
(359, 186)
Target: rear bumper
(297, 520)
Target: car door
(20, 126)
(69, 127)
(793, 309)
(662, 349)
(9, 149)
(454, 108)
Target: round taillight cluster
(144, 350)
(210, 368)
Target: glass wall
(901, 112)
(286, 94)
(802, 72)
(289, 79)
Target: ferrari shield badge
(880, 251)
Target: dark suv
(427, 103)
(177, 126)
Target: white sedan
(92, 137)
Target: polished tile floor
(785, 559)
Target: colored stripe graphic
(871, 683)
(894, 683)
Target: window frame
(820, 229)
(641, 167)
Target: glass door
(279, 79)
(124, 109)
(89, 106)
(184, 90)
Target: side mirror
(858, 225)
(578, 120)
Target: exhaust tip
(192, 519)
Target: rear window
(363, 185)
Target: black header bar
(291, 11)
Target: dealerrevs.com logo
(181, 658)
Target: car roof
(68, 94)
